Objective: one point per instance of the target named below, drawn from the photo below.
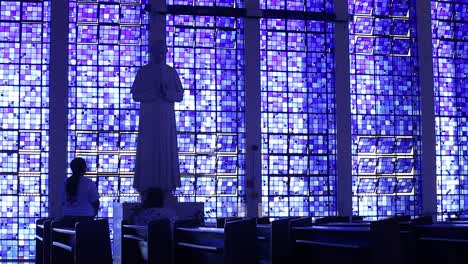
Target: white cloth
(81, 205)
(157, 87)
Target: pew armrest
(440, 239)
(202, 229)
(133, 237)
(136, 227)
(200, 247)
(62, 245)
(67, 231)
(328, 244)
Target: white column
(343, 110)
(426, 80)
(252, 108)
(157, 23)
(58, 100)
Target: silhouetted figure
(157, 86)
(80, 195)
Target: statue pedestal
(124, 211)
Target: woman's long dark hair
(78, 167)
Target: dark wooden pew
(338, 219)
(88, 242)
(235, 243)
(362, 243)
(281, 236)
(444, 242)
(157, 236)
(407, 236)
(43, 240)
(264, 232)
(263, 244)
(272, 238)
(220, 222)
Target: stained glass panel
(107, 45)
(208, 53)
(298, 118)
(385, 108)
(298, 5)
(450, 56)
(24, 126)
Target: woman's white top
(81, 205)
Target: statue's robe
(157, 87)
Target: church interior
(312, 131)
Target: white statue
(157, 86)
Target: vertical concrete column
(252, 108)
(426, 80)
(157, 21)
(343, 110)
(58, 101)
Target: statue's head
(157, 51)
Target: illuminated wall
(450, 51)
(385, 110)
(107, 45)
(208, 53)
(298, 113)
(24, 127)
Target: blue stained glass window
(386, 145)
(404, 165)
(404, 145)
(405, 185)
(298, 117)
(298, 5)
(367, 185)
(107, 45)
(367, 165)
(386, 165)
(208, 53)
(367, 145)
(386, 185)
(385, 111)
(24, 127)
(450, 57)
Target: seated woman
(80, 195)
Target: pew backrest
(280, 239)
(235, 243)
(239, 242)
(43, 240)
(88, 242)
(93, 242)
(159, 240)
(386, 241)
